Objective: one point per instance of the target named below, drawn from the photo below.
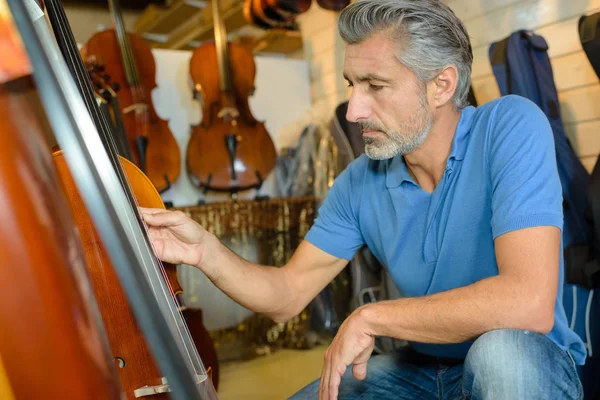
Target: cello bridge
(136, 107)
(229, 113)
(159, 389)
(152, 390)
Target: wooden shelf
(188, 23)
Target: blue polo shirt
(501, 175)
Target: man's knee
(497, 356)
(514, 363)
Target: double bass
(52, 341)
(229, 150)
(128, 60)
(104, 190)
(106, 90)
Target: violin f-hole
(168, 185)
(231, 143)
(120, 362)
(141, 142)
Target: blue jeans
(501, 364)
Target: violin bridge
(159, 389)
(152, 390)
(229, 113)
(136, 107)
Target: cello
(122, 263)
(129, 61)
(229, 150)
(51, 331)
(193, 317)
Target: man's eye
(375, 87)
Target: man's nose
(358, 107)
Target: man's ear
(444, 85)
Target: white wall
(87, 19)
(486, 21)
(282, 96)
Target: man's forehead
(379, 46)
(366, 58)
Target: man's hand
(352, 345)
(176, 238)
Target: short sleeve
(526, 189)
(336, 230)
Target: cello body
(136, 367)
(208, 157)
(50, 329)
(48, 333)
(162, 162)
(108, 193)
(147, 194)
(229, 150)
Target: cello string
(166, 286)
(131, 73)
(83, 81)
(80, 73)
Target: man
(461, 204)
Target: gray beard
(394, 144)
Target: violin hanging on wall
(128, 60)
(229, 150)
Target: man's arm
(280, 293)
(522, 296)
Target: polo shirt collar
(397, 171)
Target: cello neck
(225, 83)
(131, 72)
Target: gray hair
(431, 35)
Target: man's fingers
(149, 210)
(323, 387)
(335, 379)
(158, 217)
(360, 371)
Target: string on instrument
(140, 105)
(108, 94)
(154, 268)
(107, 203)
(51, 328)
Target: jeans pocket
(576, 375)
